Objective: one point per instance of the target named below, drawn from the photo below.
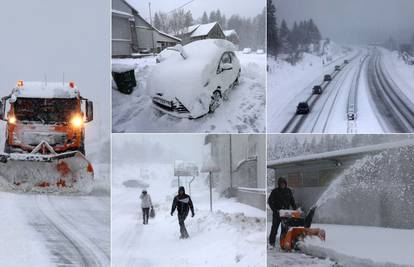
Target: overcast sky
(52, 37)
(189, 147)
(245, 8)
(353, 21)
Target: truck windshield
(51, 110)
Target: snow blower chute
(295, 227)
(44, 147)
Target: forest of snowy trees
(303, 36)
(280, 147)
(251, 31)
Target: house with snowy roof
(132, 35)
(197, 32)
(232, 36)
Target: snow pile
(230, 236)
(244, 112)
(363, 246)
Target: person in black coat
(183, 204)
(280, 198)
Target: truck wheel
(7, 149)
(82, 149)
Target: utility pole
(231, 165)
(152, 30)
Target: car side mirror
(3, 108)
(226, 66)
(89, 110)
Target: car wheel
(215, 101)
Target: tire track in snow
(64, 240)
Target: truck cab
(45, 118)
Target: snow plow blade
(66, 172)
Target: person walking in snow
(182, 202)
(280, 198)
(146, 204)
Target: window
(225, 58)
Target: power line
(181, 6)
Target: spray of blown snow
(377, 190)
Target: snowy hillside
(233, 235)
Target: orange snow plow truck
(44, 146)
(295, 228)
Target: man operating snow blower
(182, 202)
(295, 227)
(280, 198)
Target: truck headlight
(12, 119)
(77, 121)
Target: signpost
(211, 167)
(186, 169)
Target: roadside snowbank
(363, 246)
(401, 73)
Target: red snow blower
(295, 227)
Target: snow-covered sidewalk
(232, 235)
(364, 246)
(243, 112)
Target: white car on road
(192, 80)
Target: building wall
(121, 36)
(246, 184)
(120, 5)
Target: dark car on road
(317, 90)
(337, 67)
(351, 116)
(327, 78)
(302, 108)
(346, 61)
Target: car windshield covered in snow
(45, 110)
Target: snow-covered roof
(122, 13)
(43, 90)
(339, 153)
(228, 33)
(203, 29)
(243, 161)
(167, 35)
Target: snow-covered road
(365, 86)
(54, 230)
(232, 235)
(244, 112)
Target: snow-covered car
(302, 108)
(192, 80)
(337, 67)
(317, 90)
(247, 50)
(327, 78)
(260, 51)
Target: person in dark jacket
(280, 198)
(182, 202)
